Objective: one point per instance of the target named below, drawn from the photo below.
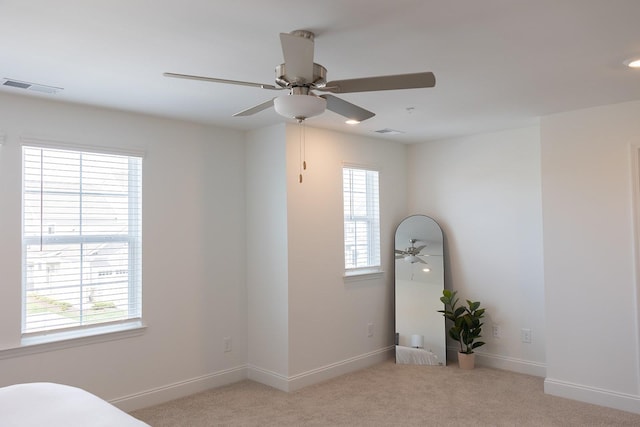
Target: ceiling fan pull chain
(300, 159)
(304, 147)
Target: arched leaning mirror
(419, 265)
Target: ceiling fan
(412, 253)
(301, 77)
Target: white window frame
(373, 265)
(78, 335)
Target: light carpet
(389, 395)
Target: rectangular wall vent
(30, 86)
(387, 131)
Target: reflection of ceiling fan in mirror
(412, 253)
(300, 76)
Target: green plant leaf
(473, 305)
(468, 320)
(467, 324)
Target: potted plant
(467, 326)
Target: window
(361, 220)
(81, 239)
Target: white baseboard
(162, 394)
(596, 396)
(512, 364)
(266, 377)
(320, 374)
(340, 368)
(158, 395)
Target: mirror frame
(420, 329)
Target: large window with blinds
(361, 220)
(81, 239)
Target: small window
(361, 220)
(81, 223)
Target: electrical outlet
(526, 336)
(227, 344)
(496, 331)
(370, 329)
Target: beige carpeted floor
(389, 395)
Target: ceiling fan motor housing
(319, 77)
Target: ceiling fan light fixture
(299, 107)
(632, 62)
(412, 259)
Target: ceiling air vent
(387, 131)
(30, 86)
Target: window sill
(364, 274)
(68, 339)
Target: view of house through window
(361, 219)
(81, 239)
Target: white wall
(214, 199)
(484, 191)
(590, 286)
(193, 265)
(267, 255)
(328, 317)
(307, 324)
(220, 208)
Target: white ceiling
(498, 63)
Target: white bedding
(56, 405)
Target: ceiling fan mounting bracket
(303, 33)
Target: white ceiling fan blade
(215, 80)
(347, 109)
(255, 109)
(370, 84)
(297, 50)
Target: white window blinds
(81, 239)
(361, 218)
